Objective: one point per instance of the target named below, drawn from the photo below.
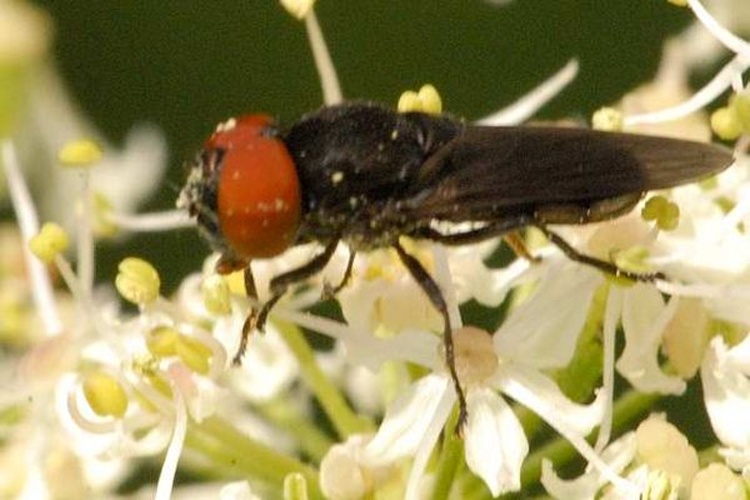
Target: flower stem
(28, 223)
(329, 80)
(344, 420)
(450, 462)
(310, 438)
(234, 452)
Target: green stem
(451, 458)
(237, 454)
(345, 421)
(709, 455)
(311, 439)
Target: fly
(365, 175)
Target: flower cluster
(102, 378)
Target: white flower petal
(737, 459)
(393, 301)
(540, 394)
(527, 105)
(726, 393)
(739, 356)
(130, 175)
(618, 455)
(362, 348)
(644, 317)
(268, 367)
(717, 481)
(584, 487)
(342, 477)
(416, 481)
(471, 278)
(496, 445)
(408, 419)
(544, 330)
(238, 490)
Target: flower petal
(584, 487)
(408, 419)
(543, 331)
(644, 317)
(727, 396)
(496, 445)
(540, 394)
(618, 455)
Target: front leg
(433, 292)
(256, 318)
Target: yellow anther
(194, 354)
(162, 341)
(430, 98)
(427, 100)
(137, 281)
(726, 124)
(236, 282)
(665, 213)
(51, 240)
(216, 293)
(408, 102)
(298, 8)
(158, 383)
(608, 119)
(80, 153)
(105, 395)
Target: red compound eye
(258, 189)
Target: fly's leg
(252, 292)
(507, 227)
(280, 284)
(516, 243)
(331, 291)
(602, 265)
(256, 319)
(431, 288)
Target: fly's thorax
(364, 226)
(359, 153)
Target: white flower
(617, 455)
(725, 376)
(382, 295)
(717, 482)
(656, 457)
(346, 475)
(268, 368)
(495, 442)
(122, 180)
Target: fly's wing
(489, 172)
